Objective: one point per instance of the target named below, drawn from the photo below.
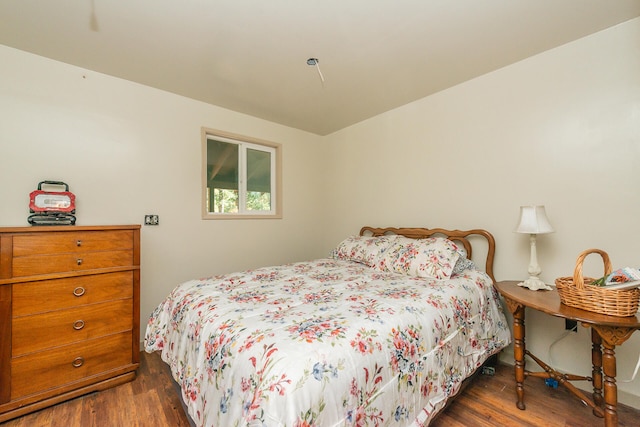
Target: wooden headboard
(458, 236)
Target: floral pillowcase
(363, 249)
(463, 263)
(434, 257)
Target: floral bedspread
(324, 343)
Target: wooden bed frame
(457, 236)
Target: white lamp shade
(533, 220)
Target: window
(241, 177)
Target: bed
(382, 332)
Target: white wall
(560, 129)
(127, 150)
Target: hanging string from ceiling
(314, 62)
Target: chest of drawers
(69, 313)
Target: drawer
(73, 241)
(65, 262)
(56, 328)
(57, 294)
(41, 371)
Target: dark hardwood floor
(489, 401)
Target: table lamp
(533, 221)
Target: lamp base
(535, 284)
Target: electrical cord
(575, 329)
(563, 336)
(635, 372)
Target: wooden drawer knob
(77, 362)
(79, 261)
(78, 324)
(79, 291)
(78, 242)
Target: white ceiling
(251, 56)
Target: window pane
(225, 201)
(258, 180)
(222, 176)
(241, 177)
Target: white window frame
(244, 143)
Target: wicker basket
(578, 292)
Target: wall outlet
(151, 220)
(571, 325)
